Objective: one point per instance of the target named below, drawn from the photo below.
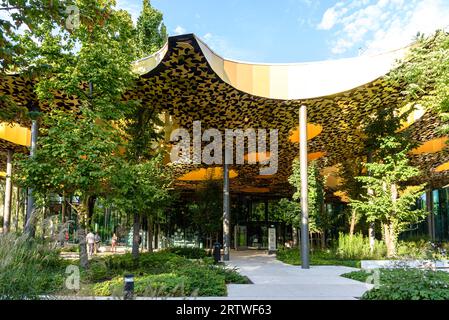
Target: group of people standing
(94, 241)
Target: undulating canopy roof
(189, 82)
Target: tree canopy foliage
(425, 74)
(107, 146)
(388, 198)
(318, 219)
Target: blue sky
(300, 30)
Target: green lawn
(318, 258)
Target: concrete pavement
(275, 280)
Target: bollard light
(129, 287)
(217, 252)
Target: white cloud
(330, 18)
(180, 30)
(426, 17)
(382, 25)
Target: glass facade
(440, 214)
(436, 225)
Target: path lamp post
(305, 263)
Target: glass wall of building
(436, 226)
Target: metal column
(430, 217)
(30, 199)
(305, 262)
(226, 213)
(8, 194)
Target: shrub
(28, 269)
(98, 271)
(358, 247)
(189, 253)
(406, 284)
(204, 281)
(230, 275)
(162, 285)
(148, 263)
(161, 262)
(178, 275)
(321, 257)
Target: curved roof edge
(291, 81)
(149, 63)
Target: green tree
(88, 64)
(151, 31)
(25, 15)
(319, 221)
(425, 74)
(144, 129)
(141, 189)
(289, 212)
(91, 63)
(206, 211)
(389, 200)
(76, 156)
(349, 170)
(385, 123)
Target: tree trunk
(353, 222)
(372, 236)
(389, 229)
(84, 259)
(29, 228)
(81, 210)
(16, 222)
(390, 239)
(90, 210)
(63, 208)
(323, 239)
(150, 234)
(295, 236)
(156, 235)
(136, 236)
(371, 230)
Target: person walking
(90, 239)
(114, 243)
(97, 242)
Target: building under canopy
(189, 82)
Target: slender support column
(305, 263)
(430, 217)
(372, 225)
(226, 211)
(8, 194)
(30, 201)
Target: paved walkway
(274, 280)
